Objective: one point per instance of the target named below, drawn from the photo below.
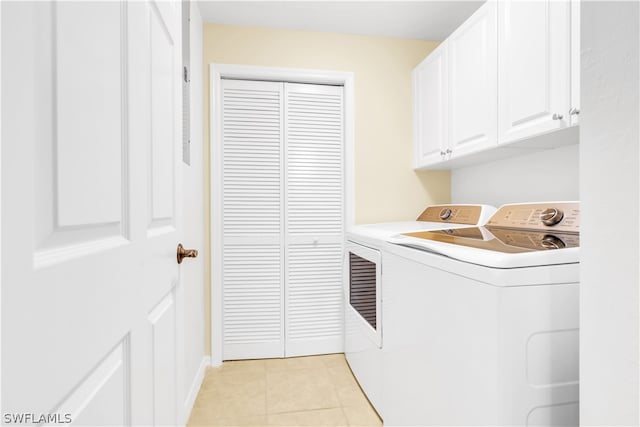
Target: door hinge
(185, 74)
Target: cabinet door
(574, 111)
(534, 68)
(430, 113)
(473, 82)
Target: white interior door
(91, 113)
(282, 216)
(314, 183)
(252, 219)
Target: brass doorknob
(185, 253)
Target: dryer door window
(362, 288)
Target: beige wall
(386, 187)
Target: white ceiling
(427, 20)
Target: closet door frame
(217, 72)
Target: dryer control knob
(445, 214)
(552, 242)
(551, 216)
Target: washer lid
(516, 235)
(497, 247)
(433, 218)
(378, 233)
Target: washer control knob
(445, 214)
(550, 241)
(551, 216)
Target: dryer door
(363, 290)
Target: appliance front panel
(363, 291)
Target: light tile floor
(300, 391)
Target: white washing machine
(364, 274)
(481, 323)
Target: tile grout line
(324, 367)
(266, 388)
(335, 387)
(363, 393)
(307, 370)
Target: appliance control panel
(452, 214)
(557, 216)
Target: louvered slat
(252, 147)
(314, 289)
(252, 294)
(314, 210)
(252, 219)
(314, 159)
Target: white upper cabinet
(430, 86)
(473, 83)
(534, 66)
(510, 73)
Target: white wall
(542, 176)
(609, 353)
(193, 193)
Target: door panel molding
(87, 118)
(49, 257)
(162, 321)
(104, 384)
(83, 206)
(162, 150)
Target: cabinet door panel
(430, 108)
(473, 82)
(575, 61)
(533, 67)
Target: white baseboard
(216, 361)
(194, 389)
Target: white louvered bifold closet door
(314, 219)
(282, 219)
(252, 220)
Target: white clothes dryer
(481, 324)
(364, 269)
